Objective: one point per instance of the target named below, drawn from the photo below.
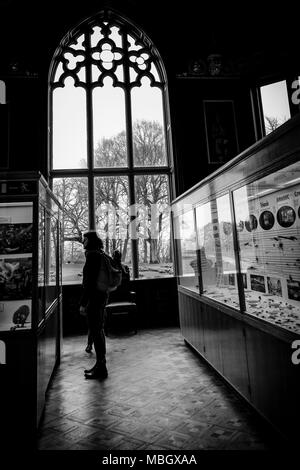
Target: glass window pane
(96, 36)
(73, 196)
(268, 224)
(185, 238)
(153, 226)
(275, 105)
(41, 264)
(112, 215)
(78, 43)
(109, 126)
(69, 127)
(115, 36)
(133, 46)
(149, 146)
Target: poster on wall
(221, 131)
(15, 278)
(15, 238)
(15, 315)
(16, 265)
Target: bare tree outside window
(272, 123)
(275, 105)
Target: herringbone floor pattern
(159, 395)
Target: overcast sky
(275, 101)
(69, 119)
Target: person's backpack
(109, 277)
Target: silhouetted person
(94, 302)
(89, 346)
(123, 289)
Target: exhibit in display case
(237, 245)
(262, 220)
(267, 214)
(30, 289)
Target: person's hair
(117, 255)
(94, 241)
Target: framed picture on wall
(221, 132)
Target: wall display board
(270, 248)
(30, 297)
(16, 245)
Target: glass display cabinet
(30, 293)
(237, 242)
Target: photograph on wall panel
(16, 278)
(16, 223)
(221, 130)
(15, 238)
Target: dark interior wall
(31, 31)
(27, 128)
(189, 123)
(156, 299)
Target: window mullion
(50, 135)
(90, 135)
(129, 138)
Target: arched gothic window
(110, 144)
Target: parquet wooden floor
(159, 395)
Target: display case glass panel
(51, 260)
(268, 228)
(41, 263)
(16, 246)
(185, 236)
(42, 194)
(217, 258)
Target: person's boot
(87, 371)
(99, 371)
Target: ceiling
(182, 31)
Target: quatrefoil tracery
(100, 48)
